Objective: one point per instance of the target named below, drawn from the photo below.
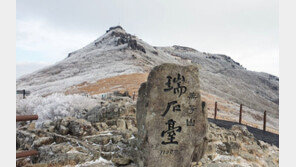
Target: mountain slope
(117, 53)
(222, 76)
(114, 53)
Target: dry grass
(132, 82)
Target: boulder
(121, 160)
(24, 139)
(31, 126)
(131, 126)
(63, 130)
(101, 126)
(233, 147)
(171, 122)
(121, 125)
(103, 113)
(61, 154)
(80, 127)
(43, 141)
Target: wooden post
(215, 111)
(26, 153)
(26, 117)
(24, 93)
(264, 122)
(134, 96)
(240, 114)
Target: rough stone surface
(121, 160)
(80, 127)
(234, 146)
(63, 130)
(101, 126)
(43, 141)
(170, 118)
(121, 125)
(31, 126)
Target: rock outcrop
(105, 144)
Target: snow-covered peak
(117, 52)
(106, 41)
(116, 28)
(114, 53)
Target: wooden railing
(241, 115)
(26, 118)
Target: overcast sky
(247, 31)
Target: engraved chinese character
(192, 108)
(171, 132)
(190, 122)
(176, 107)
(192, 95)
(177, 81)
(169, 84)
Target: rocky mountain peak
(115, 38)
(123, 37)
(114, 28)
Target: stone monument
(171, 119)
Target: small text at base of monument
(171, 119)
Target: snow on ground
(101, 161)
(54, 106)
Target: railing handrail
(26, 117)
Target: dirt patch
(129, 82)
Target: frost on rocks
(111, 146)
(100, 161)
(54, 106)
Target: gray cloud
(247, 31)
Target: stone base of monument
(171, 119)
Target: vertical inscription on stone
(171, 122)
(171, 132)
(178, 89)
